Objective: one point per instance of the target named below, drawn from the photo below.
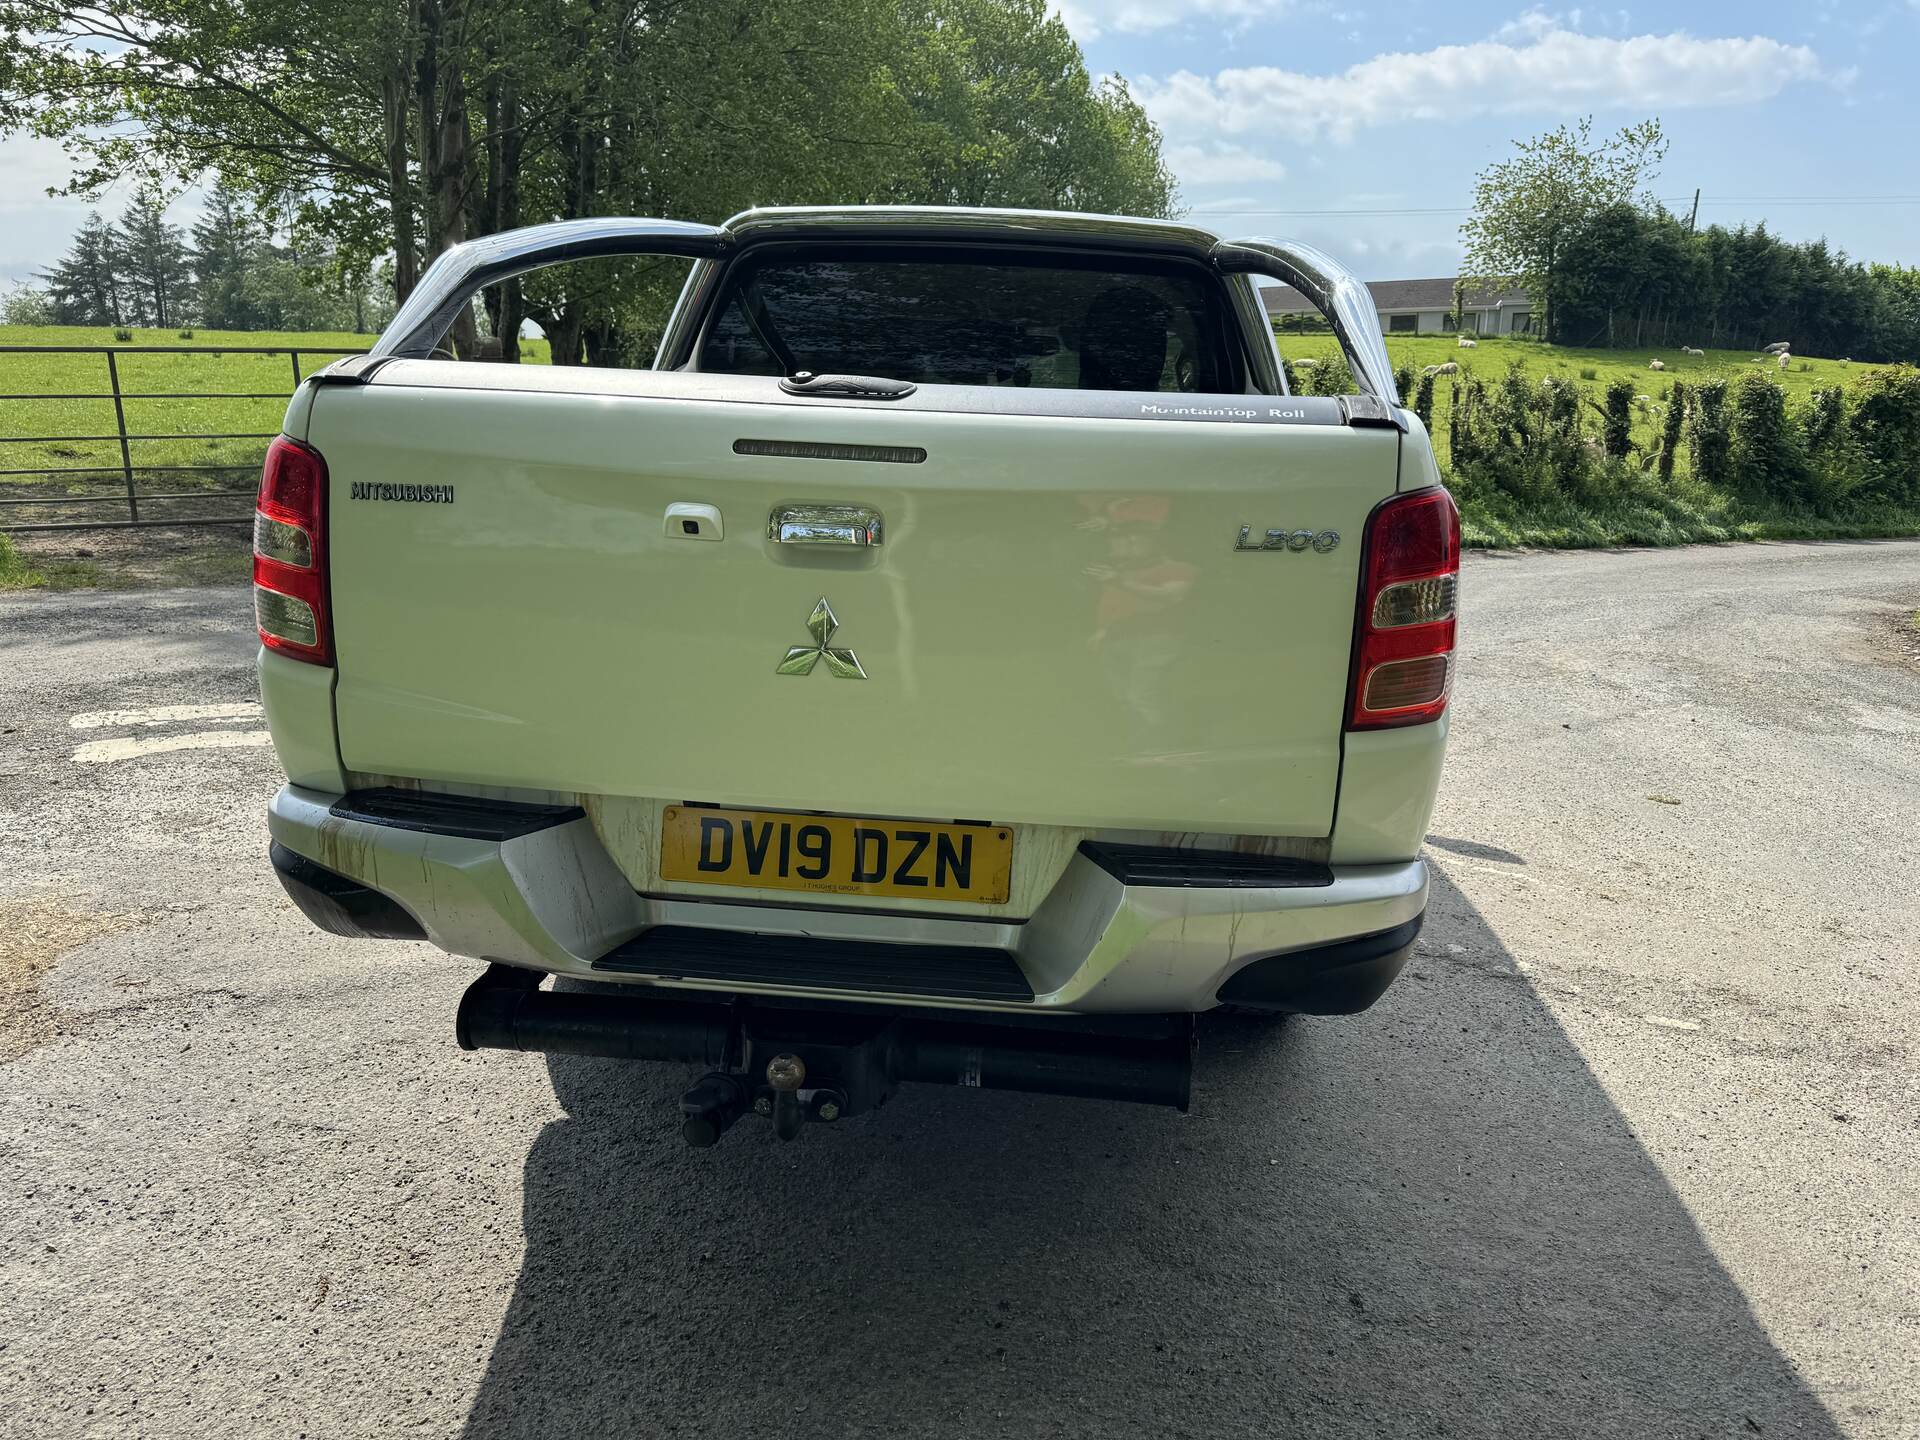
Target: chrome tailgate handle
(823, 525)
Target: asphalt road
(1633, 1150)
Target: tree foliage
(393, 129)
(1766, 454)
(1423, 399)
(1885, 426)
(27, 304)
(1529, 207)
(152, 257)
(1524, 437)
(1709, 438)
(1637, 276)
(1606, 265)
(1671, 425)
(84, 287)
(234, 275)
(1846, 451)
(1616, 434)
(228, 243)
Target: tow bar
(797, 1062)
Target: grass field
(1654, 515)
(194, 375)
(270, 375)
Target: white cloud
(1090, 19)
(1539, 67)
(1534, 23)
(1371, 248)
(1219, 163)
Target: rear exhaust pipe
(852, 1054)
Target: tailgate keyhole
(689, 521)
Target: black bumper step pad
(1204, 869)
(466, 817)
(950, 972)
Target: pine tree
(227, 244)
(156, 268)
(85, 286)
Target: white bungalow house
(1419, 307)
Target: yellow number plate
(834, 855)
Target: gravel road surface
(1633, 1149)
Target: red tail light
(290, 554)
(1403, 662)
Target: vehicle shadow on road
(1426, 1220)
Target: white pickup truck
(959, 659)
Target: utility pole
(1694, 213)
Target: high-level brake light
(1403, 654)
(290, 554)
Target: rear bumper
(540, 891)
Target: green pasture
(196, 376)
(199, 377)
(1646, 513)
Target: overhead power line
(1869, 200)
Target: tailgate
(1056, 626)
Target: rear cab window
(1049, 321)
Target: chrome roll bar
(1330, 288)
(460, 273)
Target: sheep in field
(1466, 344)
(1656, 364)
(1689, 350)
(1450, 368)
(1786, 358)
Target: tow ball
(796, 1064)
(719, 1099)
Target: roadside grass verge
(22, 572)
(1687, 514)
(125, 559)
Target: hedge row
(1533, 440)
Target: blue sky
(1804, 114)
(1318, 105)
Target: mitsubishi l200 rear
(957, 660)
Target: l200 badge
(1283, 539)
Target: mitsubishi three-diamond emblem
(841, 663)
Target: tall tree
(227, 241)
(84, 286)
(154, 262)
(396, 128)
(1006, 114)
(1528, 207)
